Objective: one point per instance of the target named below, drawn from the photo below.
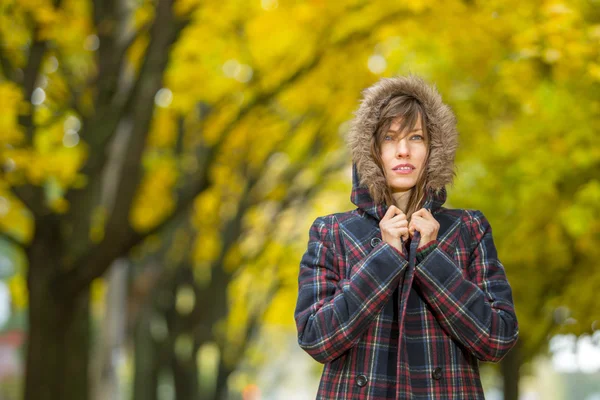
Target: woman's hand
(423, 221)
(393, 226)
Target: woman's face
(403, 155)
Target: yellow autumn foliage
(522, 78)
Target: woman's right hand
(393, 226)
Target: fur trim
(441, 126)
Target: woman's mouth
(403, 169)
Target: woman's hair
(409, 108)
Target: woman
(401, 297)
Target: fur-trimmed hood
(368, 181)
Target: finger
(391, 211)
(420, 222)
(418, 212)
(393, 230)
(425, 213)
(399, 224)
(399, 217)
(400, 232)
(417, 219)
(414, 226)
(413, 230)
(403, 233)
(395, 224)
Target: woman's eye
(418, 136)
(387, 137)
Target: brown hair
(409, 108)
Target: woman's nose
(402, 148)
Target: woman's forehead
(397, 123)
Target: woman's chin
(402, 186)
(401, 189)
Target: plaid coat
(390, 328)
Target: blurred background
(162, 160)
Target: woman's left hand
(423, 221)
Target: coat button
(375, 241)
(361, 380)
(437, 373)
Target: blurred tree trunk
(222, 390)
(58, 341)
(146, 365)
(109, 350)
(511, 367)
(185, 374)
(182, 346)
(63, 259)
(211, 302)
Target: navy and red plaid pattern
(390, 328)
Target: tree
(119, 119)
(251, 275)
(63, 259)
(88, 201)
(527, 105)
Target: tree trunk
(511, 366)
(109, 346)
(222, 389)
(146, 365)
(58, 339)
(58, 342)
(185, 375)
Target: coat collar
(361, 197)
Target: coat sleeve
(478, 313)
(332, 312)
